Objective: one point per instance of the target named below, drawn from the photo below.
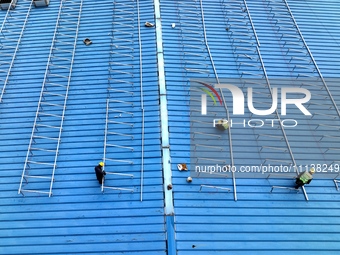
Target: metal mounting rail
(43, 150)
(224, 102)
(141, 101)
(10, 39)
(119, 143)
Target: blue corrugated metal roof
(260, 222)
(79, 219)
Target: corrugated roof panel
(78, 218)
(202, 40)
(260, 222)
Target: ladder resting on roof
(11, 33)
(43, 149)
(120, 108)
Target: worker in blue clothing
(100, 172)
(304, 178)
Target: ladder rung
(245, 48)
(121, 81)
(40, 149)
(9, 47)
(119, 101)
(71, 15)
(120, 134)
(123, 40)
(114, 188)
(249, 73)
(119, 146)
(48, 126)
(50, 114)
(273, 148)
(120, 32)
(250, 64)
(58, 75)
(39, 163)
(119, 160)
(196, 70)
(53, 94)
(242, 34)
(114, 173)
(11, 32)
(66, 35)
(119, 90)
(71, 22)
(34, 191)
(37, 177)
(66, 43)
(123, 123)
(73, 29)
(121, 54)
(120, 64)
(15, 18)
(68, 51)
(113, 110)
(5, 54)
(55, 84)
(45, 103)
(302, 59)
(298, 51)
(304, 67)
(45, 137)
(326, 115)
(62, 67)
(123, 25)
(67, 59)
(195, 63)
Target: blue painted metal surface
(210, 221)
(79, 219)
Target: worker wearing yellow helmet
(304, 178)
(100, 172)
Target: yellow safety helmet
(101, 163)
(312, 170)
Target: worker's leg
(298, 183)
(99, 178)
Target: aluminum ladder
(11, 33)
(42, 154)
(207, 147)
(120, 106)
